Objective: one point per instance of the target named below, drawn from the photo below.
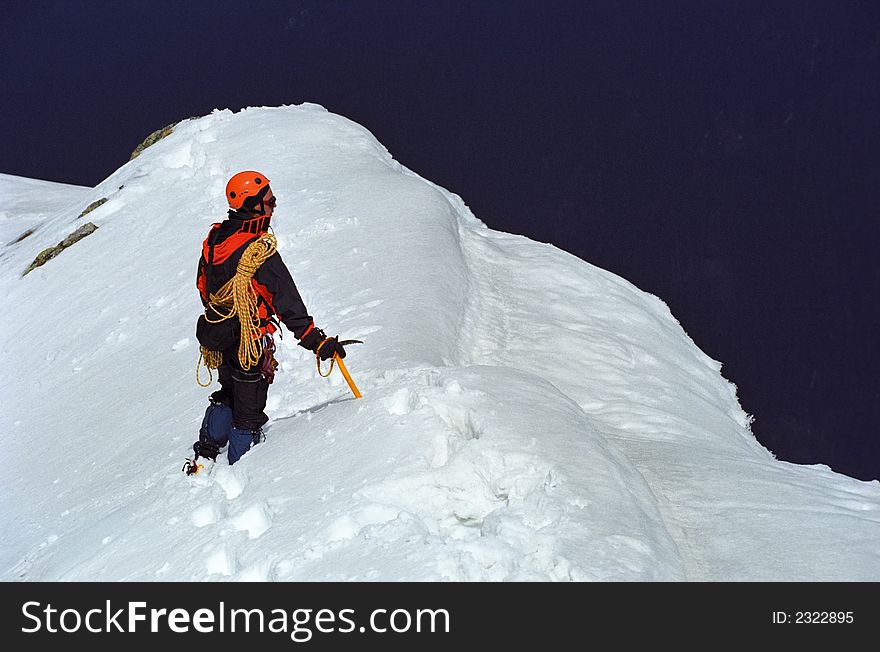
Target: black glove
(318, 342)
(330, 347)
(312, 339)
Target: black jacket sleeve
(289, 306)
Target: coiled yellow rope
(238, 298)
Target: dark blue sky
(724, 156)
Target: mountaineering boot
(240, 442)
(206, 448)
(213, 435)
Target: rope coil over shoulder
(238, 298)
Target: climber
(247, 366)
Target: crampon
(191, 466)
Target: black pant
(243, 391)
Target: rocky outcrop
(152, 139)
(88, 209)
(24, 235)
(48, 254)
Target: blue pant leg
(240, 442)
(217, 424)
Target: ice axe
(337, 360)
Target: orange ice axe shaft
(344, 370)
(336, 360)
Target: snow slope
(526, 415)
(25, 204)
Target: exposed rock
(152, 139)
(22, 237)
(92, 207)
(48, 254)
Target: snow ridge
(527, 416)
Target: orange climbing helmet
(243, 185)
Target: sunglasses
(261, 196)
